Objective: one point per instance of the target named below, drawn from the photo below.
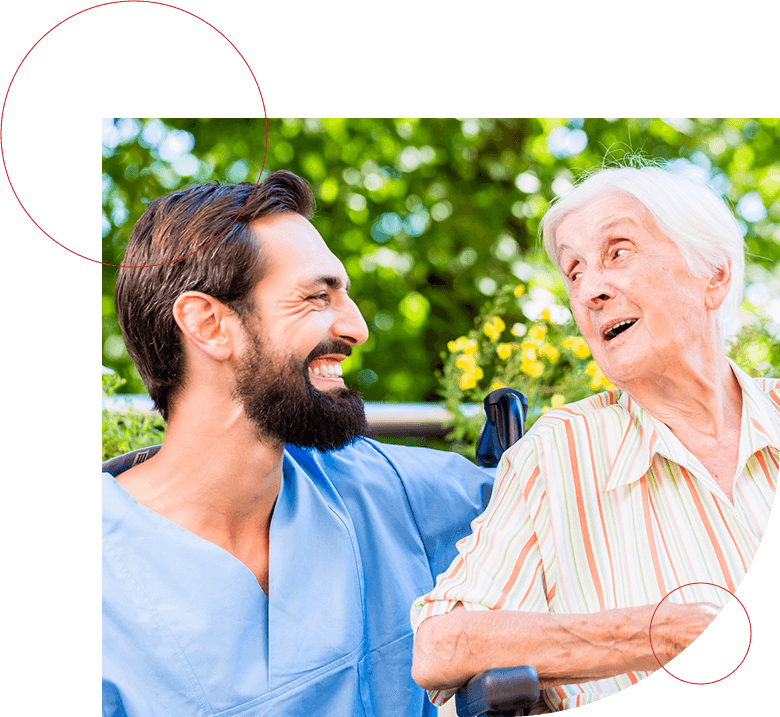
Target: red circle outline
(750, 638)
(122, 2)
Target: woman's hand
(676, 626)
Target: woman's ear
(718, 286)
(206, 324)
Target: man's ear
(207, 324)
(718, 286)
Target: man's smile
(326, 369)
(324, 364)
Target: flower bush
(547, 360)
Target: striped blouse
(600, 506)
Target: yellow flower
(493, 328)
(557, 400)
(466, 382)
(496, 385)
(538, 332)
(532, 343)
(606, 384)
(577, 345)
(466, 361)
(528, 351)
(550, 352)
(545, 315)
(519, 290)
(469, 378)
(504, 351)
(581, 350)
(463, 345)
(599, 379)
(533, 368)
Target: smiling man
(609, 504)
(262, 561)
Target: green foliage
(429, 216)
(124, 431)
(756, 350)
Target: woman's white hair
(690, 213)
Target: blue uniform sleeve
(445, 491)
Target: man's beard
(283, 405)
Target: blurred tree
(429, 216)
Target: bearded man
(262, 560)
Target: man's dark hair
(179, 224)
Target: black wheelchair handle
(502, 691)
(505, 413)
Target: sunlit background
(432, 216)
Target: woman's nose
(594, 289)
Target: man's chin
(326, 421)
(330, 441)
(325, 446)
(323, 414)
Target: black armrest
(504, 690)
(501, 691)
(505, 412)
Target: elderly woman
(611, 503)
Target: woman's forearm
(564, 649)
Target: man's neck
(215, 478)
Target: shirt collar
(645, 436)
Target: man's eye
(323, 296)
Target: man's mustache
(328, 347)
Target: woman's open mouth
(618, 328)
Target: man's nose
(350, 326)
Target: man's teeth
(326, 370)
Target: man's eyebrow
(332, 282)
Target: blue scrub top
(356, 535)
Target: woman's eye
(620, 252)
(575, 275)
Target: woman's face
(634, 300)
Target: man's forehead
(292, 245)
(286, 231)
